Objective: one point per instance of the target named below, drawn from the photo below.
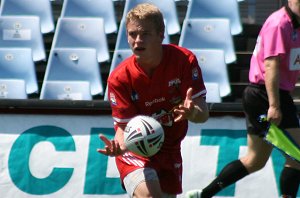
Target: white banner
(54, 156)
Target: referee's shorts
(255, 104)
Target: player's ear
(162, 36)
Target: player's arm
(194, 110)
(272, 87)
(118, 97)
(201, 113)
(116, 146)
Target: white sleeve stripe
(203, 92)
(118, 120)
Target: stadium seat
(22, 32)
(211, 33)
(82, 32)
(168, 9)
(17, 63)
(66, 90)
(74, 64)
(118, 57)
(216, 9)
(214, 69)
(92, 8)
(213, 92)
(42, 9)
(122, 41)
(12, 89)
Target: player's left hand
(274, 115)
(112, 147)
(185, 110)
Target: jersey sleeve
(275, 40)
(120, 101)
(193, 78)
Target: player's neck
(149, 65)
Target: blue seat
(17, 63)
(213, 92)
(216, 9)
(12, 89)
(42, 9)
(66, 90)
(22, 32)
(74, 64)
(122, 41)
(82, 32)
(211, 33)
(214, 69)
(92, 8)
(168, 9)
(118, 57)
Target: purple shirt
(277, 38)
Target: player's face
(295, 7)
(144, 40)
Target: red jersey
(131, 92)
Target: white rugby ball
(144, 136)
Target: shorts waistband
(263, 87)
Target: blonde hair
(147, 12)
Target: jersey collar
(295, 23)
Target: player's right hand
(112, 147)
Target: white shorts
(133, 179)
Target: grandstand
(48, 146)
(252, 15)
